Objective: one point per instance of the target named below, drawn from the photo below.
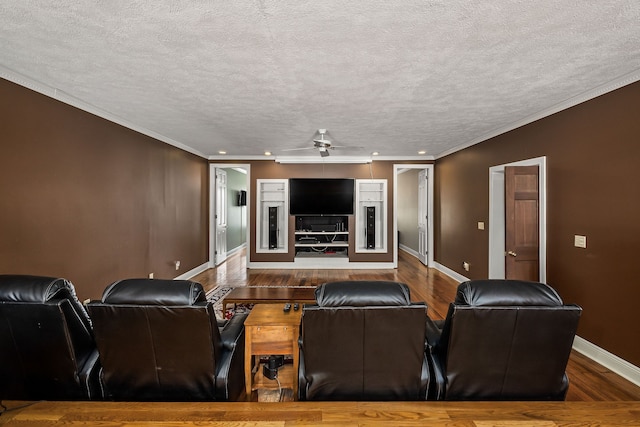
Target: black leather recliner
(363, 340)
(503, 340)
(160, 340)
(47, 350)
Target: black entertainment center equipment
(322, 236)
(321, 207)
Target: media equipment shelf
(321, 236)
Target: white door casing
(423, 217)
(428, 169)
(220, 213)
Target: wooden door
(522, 221)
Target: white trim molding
(193, 272)
(66, 98)
(304, 264)
(616, 364)
(449, 272)
(625, 80)
(408, 250)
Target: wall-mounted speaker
(273, 227)
(370, 227)
(242, 198)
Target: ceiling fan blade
(298, 149)
(347, 146)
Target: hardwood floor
(596, 395)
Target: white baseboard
(189, 274)
(408, 250)
(599, 355)
(446, 270)
(608, 360)
(236, 249)
(321, 264)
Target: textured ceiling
(248, 76)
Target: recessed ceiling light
(267, 153)
(422, 152)
(375, 153)
(222, 152)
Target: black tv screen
(321, 196)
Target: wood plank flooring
(596, 397)
(333, 414)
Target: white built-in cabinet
(272, 213)
(371, 216)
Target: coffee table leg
(248, 366)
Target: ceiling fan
(322, 142)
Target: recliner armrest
(434, 330)
(89, 376)
(232, 330)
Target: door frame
(212, 207)
(430, 178)
(497, 217)
(219, 257)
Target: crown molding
(330, 159)
(403, 158)
(625, 80)
(232, 158)
(64, 97)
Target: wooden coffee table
(266, 295)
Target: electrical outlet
(480, 225)
(150, 275)
(177, 264)
(465, 265)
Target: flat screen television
(321, 196)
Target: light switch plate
(580, 241)
(480, 225)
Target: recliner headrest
(362, 293)
(506, 293)
(153, 292)
(25, 288)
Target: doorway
(498, 223)
(228, 218)
(422, 225)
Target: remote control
(287, 307)
(296, 306)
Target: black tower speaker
(273, 227)
(242, 198)
(370, 231)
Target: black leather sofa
(503, 340)
(47, 348)
(363, 340)
(160, 340)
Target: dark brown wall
(92, 201)
(592, 153)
